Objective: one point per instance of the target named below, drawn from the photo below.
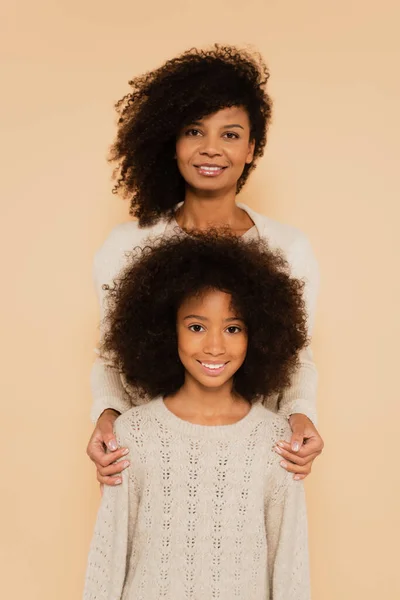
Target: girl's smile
(213, 369)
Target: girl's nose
(214, 344)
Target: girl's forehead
(210, 302)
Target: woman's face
(212, 153)
(212, 339)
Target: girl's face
(212, 153)
(212, 339)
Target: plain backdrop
(331, 168)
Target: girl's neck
(203, 406)
(202, 213)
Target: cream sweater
(109, 388)
(203, 513)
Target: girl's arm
(111, 544)
(287, 541)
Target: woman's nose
(211, 146)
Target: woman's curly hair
(140, 324)
(185, 89)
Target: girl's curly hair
(185, 89)
(141, 337)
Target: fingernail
(278, 450)
(296, 447)
(118, 481)
(283, 464)
(281, 444)
(112, 445)
(125, 452)
(125, 463)
(296, 477)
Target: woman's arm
(111, 544)
(287, 542)
(298, 402)
(108, 391)
(109, 396)
(300, 397)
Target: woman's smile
(210, 170)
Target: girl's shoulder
(277, 478)
(134, 425)
(275, 426)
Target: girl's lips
(213, 369)
(207, 171)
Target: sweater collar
(259, 220)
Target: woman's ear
(250, 153)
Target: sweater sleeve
(287, 542)
(300, 397)
(105, 380)
(111, 545)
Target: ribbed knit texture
(203, 513)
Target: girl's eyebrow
(195, 317)
(200, 318)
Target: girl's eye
(234, 329)
(231, 136)
(196, 328)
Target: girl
(189, 135)
(205, 326)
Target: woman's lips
(210, 171)
(213, 369)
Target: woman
(189, 135)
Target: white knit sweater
(203, 513)
(109, 389)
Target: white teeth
(211, 169)
(212, 366)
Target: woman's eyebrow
(200, 124)
(233, 125)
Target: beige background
(331, 168)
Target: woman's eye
(232, 136)
(193, 132)
(196, 328)
(233, 329)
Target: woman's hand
(103, 450)
(304, 447)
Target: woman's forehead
(230, 115)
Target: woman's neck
(202, 213)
